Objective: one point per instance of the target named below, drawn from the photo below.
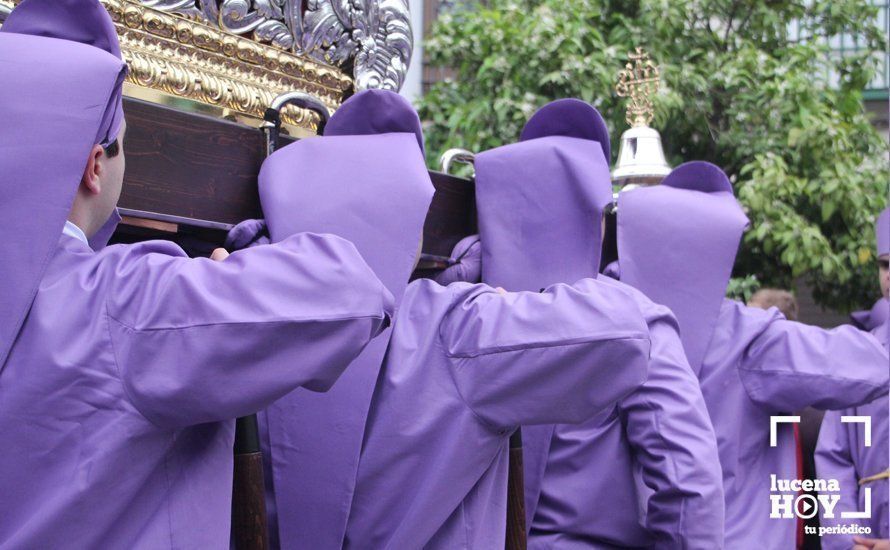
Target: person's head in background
(766, 298)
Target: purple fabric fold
(652, 453)
(882, 232)
(679, 242)
(59, 94)
(83, 21)
(381, 181)
(650, 234)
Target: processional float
(216, 85)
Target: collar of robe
(59, 98)
(677, 243)
(540, 201)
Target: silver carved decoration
(373, 36)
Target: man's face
(884, 274)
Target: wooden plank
(193, 166)
(452, 214)
(190, 165)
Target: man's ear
(91, 174)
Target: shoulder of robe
(652, 312)
(123, 263)
(430, 286)
(125, 254)
(425, 291)
(747, 322)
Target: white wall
(412, 88)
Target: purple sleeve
(198, 341)
(790, 366)
(668, 426)
(834, 461)
(557, 356)
(467, 266)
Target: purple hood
(677, 243)
(61, 76)
(365, 181)
(558, 171)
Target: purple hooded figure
(410, 449)
(859, 461)
(878, 315)
(120, 368)
(677, 243)
(644, 472)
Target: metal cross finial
(639, 82)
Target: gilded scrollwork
(170, 47)
(372, 36)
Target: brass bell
(641, 158)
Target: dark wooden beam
(195, 166)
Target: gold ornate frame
(175, 58)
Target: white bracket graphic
(774, 421)
(866, 513)
(861, 420)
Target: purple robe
(646, 470)
(465, 367)
(121, 369)
(116, 396)
(416, 454)
(841, 452)
(677, 243)
(62, 81)
(378, 177)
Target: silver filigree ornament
(372, 36)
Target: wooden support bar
(183, 166)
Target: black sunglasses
(884, 263)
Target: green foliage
(742, 288)
(737, 90)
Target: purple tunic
(677, 242)
(412, 452)
(117, 391)
(62, 91)
(372, 188)
(465, 367)
(841, 453)
(121, 369)
(646, 470)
